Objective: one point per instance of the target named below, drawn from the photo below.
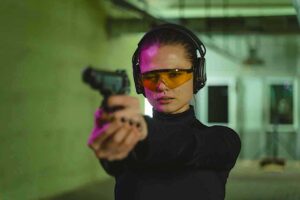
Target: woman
(172, 155)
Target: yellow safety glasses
(172, 78)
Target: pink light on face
(147, 53)
(167, 56)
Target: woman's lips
(165, 100)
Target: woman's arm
(115, 134)
(170, 144)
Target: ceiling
(215, 8)
(206, 16)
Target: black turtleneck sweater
(180, 159)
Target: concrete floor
(247, 182)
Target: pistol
(107, 83)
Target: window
(218, 104)
(281, 104)
(281, 107)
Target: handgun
(107, 83)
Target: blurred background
(253, 68)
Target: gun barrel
(107, 82)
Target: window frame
(281, 81)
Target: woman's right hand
(116, 134)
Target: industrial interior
(253, 77)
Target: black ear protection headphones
(199, 72)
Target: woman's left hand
(121, 131)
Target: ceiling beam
(229, 25)
(202, 12)
(133, 8)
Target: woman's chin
(171, 108)
(165, 108)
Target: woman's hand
(116, 134)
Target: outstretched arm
(172, 144)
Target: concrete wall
(46, 110)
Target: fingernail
(130, 122)
(123, 119)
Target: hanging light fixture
(253, 43)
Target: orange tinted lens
(149, 84)
(172, 79)
(175, 79)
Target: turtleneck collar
(184, 116)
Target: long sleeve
(218, 147)
(188, 143)
(117, 167)
(113, 168)
(180, 158)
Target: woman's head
(166, 60)
(170, 37)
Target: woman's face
(163, 98)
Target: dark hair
(170, 37)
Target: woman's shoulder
(215, 128)
(224, 132)
(222, 128)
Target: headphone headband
(189, 34)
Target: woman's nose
(161, 85)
